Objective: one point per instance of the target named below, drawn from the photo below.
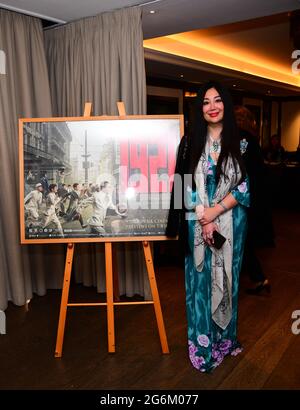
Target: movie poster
(98, 178)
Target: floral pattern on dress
(197, 361)
(243, 187)
(209, 167)
(219, 350)
(200, 324)
(203, 340)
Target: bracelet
(223, 206)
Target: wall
(168, 93)
(274, 117)
(290, 125)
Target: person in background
(275, 151)
(215, 199)
(60, 177)
(74, 209)
(32, 203)
(62, 193)
(101, 200)
(84, 189)
(29, 182)
(260, 227)
(45, 184)
(50, 214)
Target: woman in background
(275, 151)
(215, 195)
(260, 228)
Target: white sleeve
(111, 204)
(40, 200)
(52, 199)
(28, 197)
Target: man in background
(33, 202)
(50, 214)
(101, 200)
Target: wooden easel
(110, 286)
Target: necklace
(215, 146)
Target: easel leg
(109, 297)
(155, 296)
(64, 300)
(115, 274)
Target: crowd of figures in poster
(97, 178)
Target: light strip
(221, 52)
(211, 55)
(148, 2)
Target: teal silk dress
(208, 343)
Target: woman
(260, 228)
(215, 195)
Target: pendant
(215, 146)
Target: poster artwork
(97, 178)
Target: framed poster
(96, 179)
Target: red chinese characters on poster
(149, 160)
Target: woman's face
(213, 107)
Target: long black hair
(230, 136)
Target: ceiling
(171, 16)
(257, 50)
(189, 74)
(235, 24)
(63, 11)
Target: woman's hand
(209, 215)
(207, 232)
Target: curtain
(24, 92)
(100, 59)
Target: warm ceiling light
(181, 75)
(190, 94)
(152, 11)
(187, 46)
(233, 85)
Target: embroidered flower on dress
(218, 356)
(243, 187)
(225, 345)
(203, 340)
(197, 361)
(215, 354)
(219, 350)
(209, 170)
(192, 348)
(201, 360)
(243, 146)
(194, 361)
